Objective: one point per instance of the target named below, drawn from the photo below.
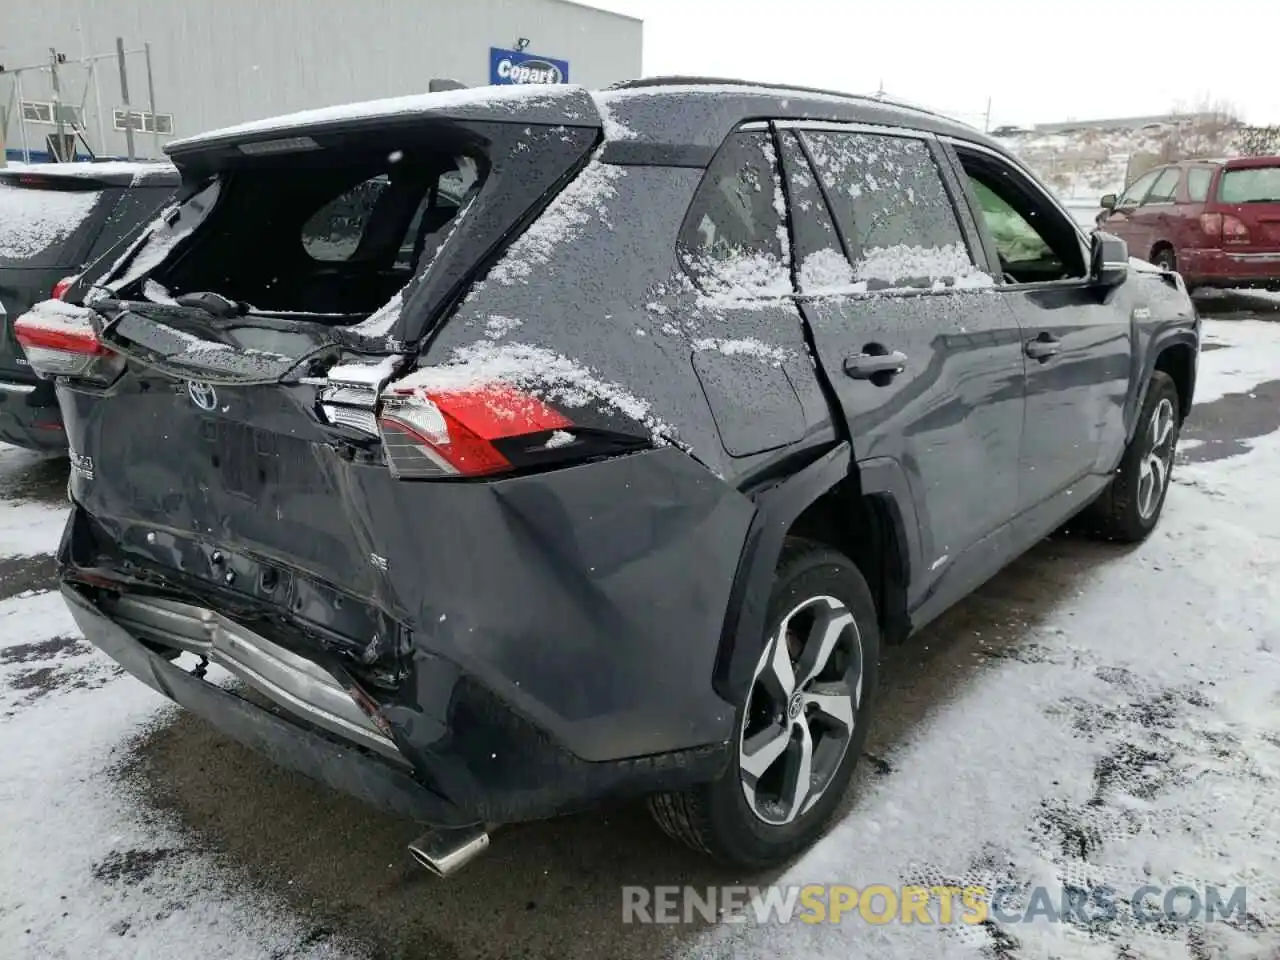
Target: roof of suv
(689, 117)
(107, 173)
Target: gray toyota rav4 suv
(518, 448)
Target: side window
(333, 233)
(1165, 187)
(1138, 189)
(1015, 239)
(893, 210)
(1035, 242)
(734, 237)
(1198, 180)
(821, 262)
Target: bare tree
(1210, 128)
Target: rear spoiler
(540, 104)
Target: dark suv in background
(55, 219)
(521, 448)
(1217, 222)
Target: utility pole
(57, 107)
(22, 119)
(151, 99)
(124, 95)
(986, 123)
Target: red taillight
(62, 286)
(460, 432)
(1224, 227)
(59, 341)
(1233, 230)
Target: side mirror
(1108, 201)
(1110, 260)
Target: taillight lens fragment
(59, 341)
(469, 432)
(1224, 228)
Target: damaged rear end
(448, 590)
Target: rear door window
(1198, 180)
(41, 223)
(893, 209)
(1250, 185)
(734, 237)
(1165, 187)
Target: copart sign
(518, 66)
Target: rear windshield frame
(525, 164)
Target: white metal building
(219, 62)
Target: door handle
(1043, 347)
(866, 365)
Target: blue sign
(519, 66)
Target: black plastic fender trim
(777, 507)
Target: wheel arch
(1177, 355)
(863, 509)
(1158, 246)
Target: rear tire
(800, 731)
(1165, 259)
(1130, 506)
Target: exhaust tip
(445, 852)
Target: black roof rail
(679, 80)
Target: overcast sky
(1036, 61)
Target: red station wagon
(1217, 222)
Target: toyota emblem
(202, 395)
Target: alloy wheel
(1153, 474)
(801, 710)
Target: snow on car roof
(516, 96)
(136, 171)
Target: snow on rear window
(824, 269)
(903, 264)
(584, 200)
(890, 201)
(537, 370)
(33, 220)
(734, 241)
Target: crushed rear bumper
(361, 774)
(319, 731)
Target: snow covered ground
(1093, 716)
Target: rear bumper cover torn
(382, 784)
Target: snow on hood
(32, 220)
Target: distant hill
(1083, 160)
